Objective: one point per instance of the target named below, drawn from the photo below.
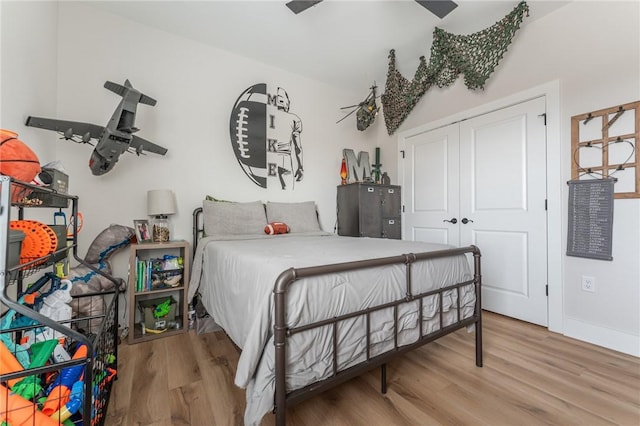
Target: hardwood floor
(530, 376)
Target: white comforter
(235, 278)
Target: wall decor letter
(360, 169)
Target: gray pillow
(301, 217)
(224, 218)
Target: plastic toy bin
(156, 318)
(15, 246)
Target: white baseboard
(602, 336)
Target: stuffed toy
(274, 228)
(85, 280)
(18, 161)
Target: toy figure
(86, 280)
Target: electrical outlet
(588, 284)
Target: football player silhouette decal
(266, 137)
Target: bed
(310, 309)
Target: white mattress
(235, 277)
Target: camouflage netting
(475, 56)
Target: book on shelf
(151, 274)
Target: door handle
(465, 220)
(453, 220)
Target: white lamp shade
(161, 202)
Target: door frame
(551, 93)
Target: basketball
(17, 159)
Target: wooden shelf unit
(146, 251)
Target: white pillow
(225, 218)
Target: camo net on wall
(475, 56)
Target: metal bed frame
(284, 398)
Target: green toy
(40, 353)
(163, 309)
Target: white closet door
(490, 172)
(503, 190)
(430, 186)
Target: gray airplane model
(114, 139)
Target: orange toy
(17, 160)
(274, 228)
(17, 411)
(59, 395)
(9, 364)
(39, 239)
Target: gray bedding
(235, 277)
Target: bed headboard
(252, 217)
(198, 227)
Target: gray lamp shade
(161, 202)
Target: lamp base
(161, 233)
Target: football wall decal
(265, 137)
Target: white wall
(28, 80)
(196, 87)
(28, 75)
(593, 50)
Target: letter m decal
(358, 169)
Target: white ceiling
(342, 43)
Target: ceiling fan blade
(298, 6)
(440, 8)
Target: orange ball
(17, 159)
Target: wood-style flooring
(530, 377)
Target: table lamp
(160, 204)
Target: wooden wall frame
(600, 142)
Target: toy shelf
(52, 372)
(155, 284)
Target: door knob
(453, 220)
(465, 220)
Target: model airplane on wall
(114, 139)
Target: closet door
(503, 190)
(488, 175)
(430, 185)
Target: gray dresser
(369, 210)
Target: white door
(500, 197)
(430, 186)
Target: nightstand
(158, 280)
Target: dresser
(369, 210)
